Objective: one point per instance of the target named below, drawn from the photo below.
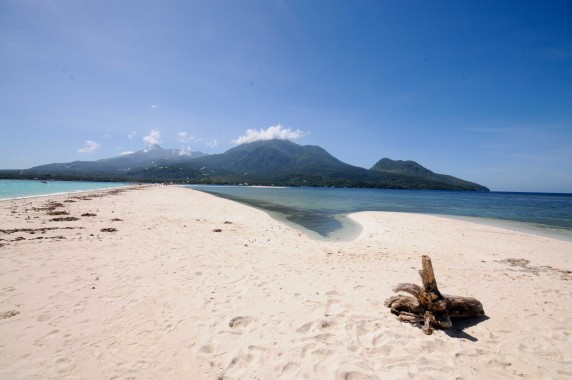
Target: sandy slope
(167, 296)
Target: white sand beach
(190, 286)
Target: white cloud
(132, 134)
(185, 138)
(154, 106)
(89, 146)
(127, 152)
(185, 151)
(213, 144)
(272, 132)
(153, 138)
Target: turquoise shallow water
(26, 188)
(324, 211)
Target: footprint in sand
(335, 307)
(207, 349)
(355, 375)
(323, 353)
(315, 326)
(40, 342)
(44, 317)
(290, 367)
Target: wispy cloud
(272, 132)
(127, 152)
(154, 106)
(212, 144)
(153, 138)
(185, 138)
(132, 134)
(89, 146)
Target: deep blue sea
(28, 188)
(324, 211)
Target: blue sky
(481, 90)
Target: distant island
(270, 162)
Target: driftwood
(428, 305)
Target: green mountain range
(271, 162)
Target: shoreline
(190, 285)
(66, 192)
(352, 232)
(338, 227)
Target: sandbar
(166, 282)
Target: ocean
(322, 212)
(30, 188)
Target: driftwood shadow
(460, 324)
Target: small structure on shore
(428, 305)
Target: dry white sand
(168, 297)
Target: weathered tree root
(428, 305)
